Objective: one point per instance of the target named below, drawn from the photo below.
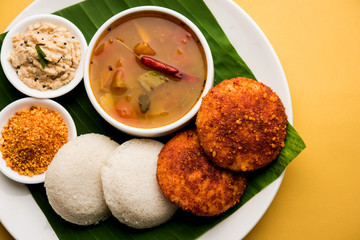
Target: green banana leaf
(89, 16)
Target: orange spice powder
(31, 139)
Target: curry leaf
(42, 56)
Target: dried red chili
(156, 65)
(165, 69)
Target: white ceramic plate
(22, 217)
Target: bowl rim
(22, 26)
(162, 130)
(25, 103)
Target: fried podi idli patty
(190, 180)
(241, 124)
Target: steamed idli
(73, 179)
(130, 187)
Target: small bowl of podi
(147, 69)
(31, 132)
(42, 56)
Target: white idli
(130, 187)
(73, 179)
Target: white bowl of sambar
(147, 69)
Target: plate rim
(46, 6)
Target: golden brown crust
(190, 180)
(241, 124)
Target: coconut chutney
(46, 56)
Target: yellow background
(318, 43)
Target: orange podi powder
(31, 139)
